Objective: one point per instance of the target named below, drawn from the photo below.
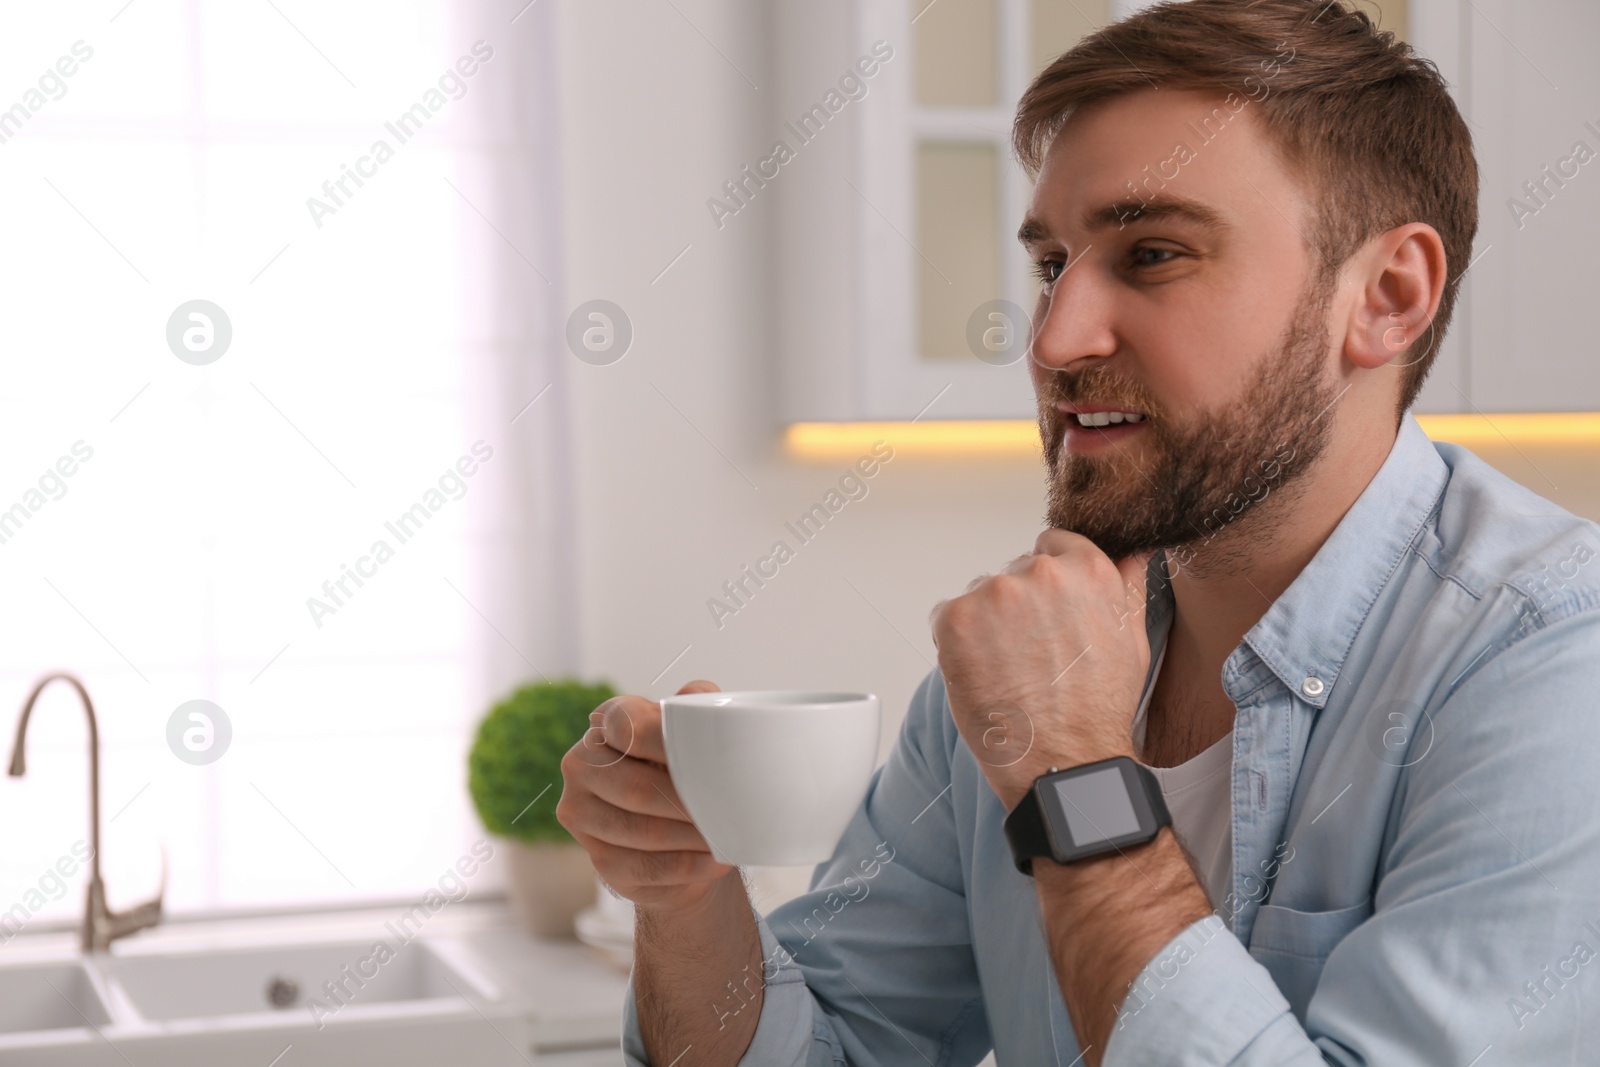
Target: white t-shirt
(1199, 796)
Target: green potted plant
(514, 776)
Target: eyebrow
(1122, 212)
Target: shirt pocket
(1293, 945)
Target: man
(1358, 669)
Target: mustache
(1095, 386)
(1119, 403)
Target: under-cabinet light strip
(987, 437)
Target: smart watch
(1086, 811)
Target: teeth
(1107, 418)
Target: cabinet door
(904, 290)
(1533, 91)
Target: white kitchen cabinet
(1533, 96)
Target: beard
(1183, 486)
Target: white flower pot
(547, 884)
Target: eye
(1044, 270)
(1139, 254)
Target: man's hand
(1044, 662)
(618, 800)
(694, 932)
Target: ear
(1402, 279)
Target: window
(217, 536)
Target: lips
(1078, 438)
(1071, 411)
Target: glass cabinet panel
(957, 52)
(1057, 25)
(958, 235)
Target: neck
(1222, 588)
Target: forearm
(1106, 918)
(698, 978)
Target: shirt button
(1311, 687)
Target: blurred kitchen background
(765, 318)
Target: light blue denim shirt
(1416, 831)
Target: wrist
(1127, 858)
(1150, 885)
(705, 903)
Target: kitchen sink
(306, 1004)
(49, 996)
(319, 982)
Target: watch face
(1096, 806)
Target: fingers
(1019, 564)
(625, 726)
(1052, 542)
(641, 870)
(1055, 542)
(631, 726)
(603, 821)
(637, 786)
(1072, 548)
(619, 803)
(630, 804)
(933, 621)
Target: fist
(1041, 665)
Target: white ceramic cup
(771, 777)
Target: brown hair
(1363, 118)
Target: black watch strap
(1026, 833)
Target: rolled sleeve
(1174, 1015)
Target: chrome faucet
(101, 925)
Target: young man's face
(1204, 318)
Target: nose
(1074, 318)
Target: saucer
(611, 939)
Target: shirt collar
(1308, 631)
